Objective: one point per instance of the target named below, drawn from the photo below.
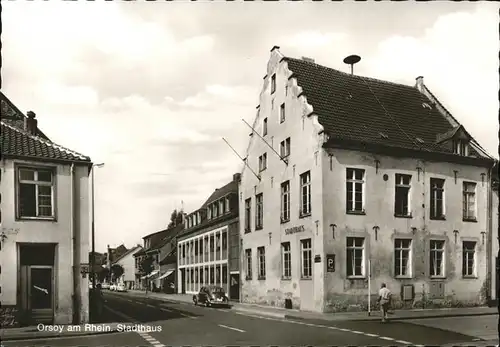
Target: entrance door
(234, 287)
(41, 299)
(183, 281)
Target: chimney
(236, 177)
(30, 123)
(309, 60)
(420, 83)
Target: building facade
(168, 261)
(208, 248)
(352, 192)
(44, 225)
(149, 250)
(495, 240)
(127, 262)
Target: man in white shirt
(384, 299)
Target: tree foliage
(147, 265)
(175, 218)
(117, 271)
(103, 274)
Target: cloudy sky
(150, 88)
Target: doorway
(234, 287)
(37, 283)
(183, 281)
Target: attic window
(426, 105)
(419, 140)
(460, 147)
(383, 135)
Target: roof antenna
(351, 60)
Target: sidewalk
(41, 332)
(489, 343)
(279, 312)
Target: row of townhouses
(44, 222)
(348, 182)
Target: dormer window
(227, 204)
(209, 212)
(221, 206)
(461, 147)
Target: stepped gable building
(208, 248)
(361, 181)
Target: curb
(260, 313)
(41, 336)
(293, 317)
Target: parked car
(105, 286)
(120, 287)
(112, 287)
(211, 296)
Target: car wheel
(207, 303)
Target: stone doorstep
(31, 332)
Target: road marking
(165, 309)
(332, 328)
(122, 315)
(154, 342)
(235, 329)
(403, 342)
(149, 305)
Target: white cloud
(315, 39)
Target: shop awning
(153, 273)
(166, 274)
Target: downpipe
(75, 247)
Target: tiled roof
(367, 110)
(17, 143)
(218, 193)
(11, 115)
(169, 237)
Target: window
(261, 256)
(285, 148)
(263, 162)
(259, 211)
(402, 257)
(36, 193)
(468, 259)
(273, 83)
(264, 127)
(402, 195)
(355, 257)
(224, 241)
(286, 260)
(354, 190)
(209, 212)
(215, 206)
(282, 113)
(227, 205)
(248, 211)
(437, 261)
(306, 258)
(248, 263)
(437, 198)
(221, 207)
(469, 201)
(460, 147)
(285, 201)
(305, 193)
(217, 242)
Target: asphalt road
(183, 324)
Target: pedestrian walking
(384, 300)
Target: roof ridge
(48, 143)
(348, 74)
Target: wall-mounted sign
(294, 230)
(317, 258)
(330, 263)
(84, 268)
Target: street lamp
(92, 259)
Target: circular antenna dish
(352, 59)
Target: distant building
(495, 240)
(127, 262)
(44, 225)
(208, 248)
(358, 176)
(149, 243)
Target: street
(184, 324)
